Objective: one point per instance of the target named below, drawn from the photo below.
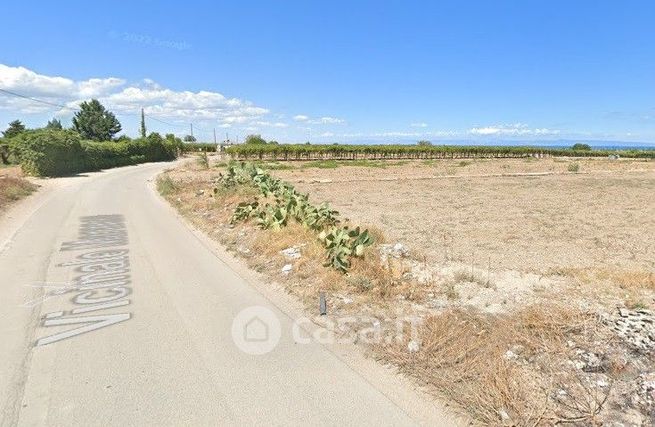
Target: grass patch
(333, 164)
(461, 276)
(625, 279)
(165, 185)
(13, 189)
(321, 164)
(370, 163)
(277, 166)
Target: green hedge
(63, 152)
(188, 147)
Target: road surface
(115, 313)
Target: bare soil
(535, 285)
(601, 217)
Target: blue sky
(382, 71)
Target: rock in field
(636, 327)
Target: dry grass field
(601, 217)
(534, 279)
(13, 186)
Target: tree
(155, 138)
(143, 124)
(189, 138)
(581, 147)
(15, 128)
(255, 139)
(95, 122)
(173, 141)
(54, 124)
(423, 143)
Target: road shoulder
(402, 391)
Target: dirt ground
(601, 217)
(534, 278)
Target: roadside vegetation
(90, 144)
(13, 187)
(551, 357)
(278, 203)
(282, 152)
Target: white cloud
(93, 88)
(326, 120)
(516, 129)
(419, 125)
(396, 134)
(326, 135)
(29, 83)
(416, 134)
(403, 134)
(120, 97)
(271, 124)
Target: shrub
(574, 167)
(255, 139)
(49, 152)
(581, 147)
(203, 160)
(62, 152)
(341, 243)
(188, 147)
(4, 152)
(165, 185)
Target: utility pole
(191, 129)
(214, 135)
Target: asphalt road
(115, 313)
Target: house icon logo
(256, 330)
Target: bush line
(63, 152)
(382, 152)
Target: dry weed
(13, 188)
(626, 279)
(480, 362)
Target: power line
(165, 122)
(37, 100)
(53, 104)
